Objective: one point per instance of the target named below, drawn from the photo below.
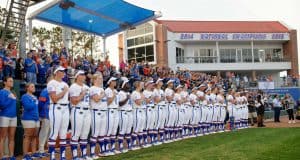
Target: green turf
(247, 144)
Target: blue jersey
(8, 106)
(30, 105)
(42, 69)
(44, 103)
(30, 65)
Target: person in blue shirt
(30, 122)
(8, 117)
(55, 57)
(42, 72)
(43, 105)
(30, 68)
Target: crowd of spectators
(38, 66)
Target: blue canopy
(100, 17)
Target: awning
(100, 17)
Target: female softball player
(99, 115)
(139, 114)
(113, 113)
(169, 94)
(150, 113)
(58, 112)
(8, 116)
(30, 122)
(80, 115)
(221, 101)
(179, 113)
(159, 100)
(126, 116)
(195, 114)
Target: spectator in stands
(2, 50)
(42, 72)
(20, 69)
(8, 65)
(277, 106)
(55, 57)
(30, 122)
(1, 68)
(30, 68)
(288, 105)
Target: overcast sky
(286, 11)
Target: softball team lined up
(120, 121)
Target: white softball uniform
(80, 115)
(113, 113)
(58, 113)
(126, 114)
(99, 117)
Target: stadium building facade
(247, 47)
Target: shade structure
(100, 17)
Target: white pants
(209, 114)
(113, 122)
(139, 120)
(151, 117)
(180, 116)
(171, 115)
(126, 122)
(80, 124)
(222, 114)
(216, 113)
(195, 116)
(44, 133)
(161, 116)
(99, 125)
(59, 117)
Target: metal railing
(196, 59)
(211, 59)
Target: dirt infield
(283, 123)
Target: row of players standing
(144, 118)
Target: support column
(104, 47)
(253, 75)
(30, 33)
(252, 51)
(218, 52)
(218, 74)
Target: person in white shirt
(58, 112)
(80, 115)
(139, 108)
(187, 114)
(99, 115)
(113, 113)
(179, 113)
(202, 111)
(126, 115)
(169, 94)
(195, 114)
(277, 105)
(231, 107)
(159, 100)
(149, 99)
(221, 101)
(215, 110)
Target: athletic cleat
(12, 158)
(124, 150)
(27, 157)
(36, 155)
(117, 152)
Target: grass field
(247, 144)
